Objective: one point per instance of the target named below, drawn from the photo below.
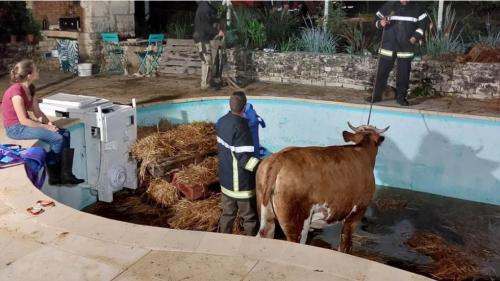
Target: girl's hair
(21, 71)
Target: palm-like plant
(446, 40)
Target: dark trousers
(247, 211)
(402, 78)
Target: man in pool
(237, 166)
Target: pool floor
(436, 236)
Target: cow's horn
(383, 130)
(355, 129)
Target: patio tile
(52, 264)
(277, 272)
(188, 266)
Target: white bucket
(84, 69)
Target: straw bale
(450, 262)
(182, 144)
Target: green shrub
(280, 26)
(490, 38)
(181, 25)
(315, 39)
(447, 40)
(358, 40)
(256, 34)
(240, 24)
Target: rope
(376, 75)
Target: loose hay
(175, 147)
(481, 53)
(162, 192)
(450, 262)
(196, 215)
(205, 172)
(161, 126)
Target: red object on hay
(192, 192)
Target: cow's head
(364, 134)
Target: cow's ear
(348, 136)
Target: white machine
(110, 131)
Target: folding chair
(114, 50)
(149, 58)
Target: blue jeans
(57, 141)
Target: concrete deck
(66, 244)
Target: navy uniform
(406, 21)
(237, 166)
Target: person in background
(404, 24)
(17, 100)
(237, 166)
(206, 29)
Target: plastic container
(84, 69)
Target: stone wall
(104, 16)
(477, 80)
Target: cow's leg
(350, 223)
(267, 224)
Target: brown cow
(302, 187)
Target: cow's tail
(266, 182)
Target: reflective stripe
(403, 18)
(419, 30)
(238, 194)
(404, 54)
(236, 178)
(251, 163)
(422, 16)
(237, 149)
(379, 14)
(385, 52)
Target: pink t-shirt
(8, 112)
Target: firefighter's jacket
(406, 21)
(236, 161)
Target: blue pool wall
(449, 155)
(79, 196)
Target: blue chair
(111, 44)
(149, 58)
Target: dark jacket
(406, 21)
(205, 22)
(236, 162)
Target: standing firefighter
(404, 24)
(237, 166)
(206, 28)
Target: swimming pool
(450, 155)
(443, 154)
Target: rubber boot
(54, 168)
(67, 177)
(54, 173)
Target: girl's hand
(51, 128)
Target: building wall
(53, 10)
